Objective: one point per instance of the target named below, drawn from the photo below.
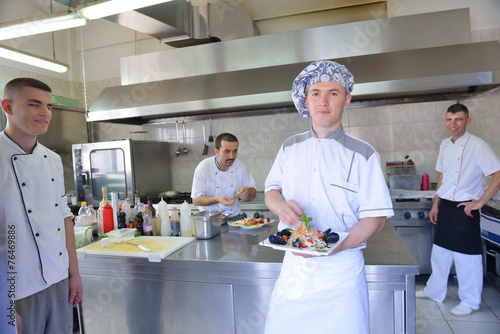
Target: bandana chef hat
(319, 71)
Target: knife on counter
(142, 247)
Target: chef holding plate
(337, 180)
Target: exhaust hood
(420, 57)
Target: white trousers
(469, 270)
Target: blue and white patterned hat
(319, 71)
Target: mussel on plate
(331, 238)
(277, 240)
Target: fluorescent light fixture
(33, 60)
(63, 20)
(27, 28)
(113, 7)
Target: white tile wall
(395, 131)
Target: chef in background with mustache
(220, 182)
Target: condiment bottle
(107, 217)
(93, 220)
(176, 223)
(186, 227)
(121, 220)
(104, 196)
(126, 208)
(147, 227)
(139, 222)
(166, 227)
(151, 207)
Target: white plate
(326, 251)
(240, 223)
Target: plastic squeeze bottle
(108, 222)
(166, 228)
(186, 228)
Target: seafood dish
(306, 239)
(250, 223)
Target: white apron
(320, 295)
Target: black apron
(456, 231)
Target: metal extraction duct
(417, 57)
(180, 24)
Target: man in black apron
(463, 161)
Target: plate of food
(250, 223)
(305, 239)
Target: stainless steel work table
(222, 285)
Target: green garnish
(306, 220)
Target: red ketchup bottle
(107, 217)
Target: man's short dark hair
(458, 107)
(225, 136)
(15, 85)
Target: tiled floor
(435, 317)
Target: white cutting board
(161, 247)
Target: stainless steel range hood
(418, 57)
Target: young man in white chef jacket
(43, 261)
(337, 180)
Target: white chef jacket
(209, 180)
(336, 180)
(33, 191)
(463, 165)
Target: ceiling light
(33, 60)
(27, 28)
(113, 7)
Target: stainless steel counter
(222, 285)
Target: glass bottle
(127, 209)
(147, 227)
(93, 220)
(176, 223)
(104, 196)
(151, 207)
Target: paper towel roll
(114, 205)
